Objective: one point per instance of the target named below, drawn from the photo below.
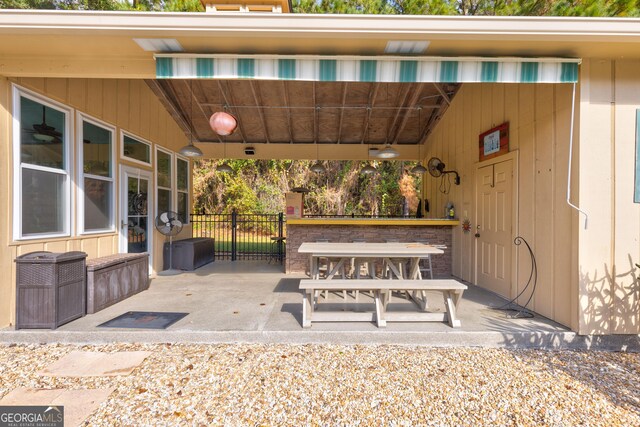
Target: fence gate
(241, 236)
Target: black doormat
(144, 320)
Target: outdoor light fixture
(191, 150)
(368, 170)
(318, 167)
(225, 168)
(223, 123)
(388, 153)
(419, 169)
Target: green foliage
(258, 186)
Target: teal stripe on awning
(164, 68)
(204, 68)
(287, 69)
(408, 71)
(529, 72)
(367, 68)
(328, 70)
(449, 71)
(489, 72)
(246, 67)
(569, 73)
(368, 71)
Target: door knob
(477, 231)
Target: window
(182, 187)
(96, 205)
(135, 149)
(41, 161)
(164, 201)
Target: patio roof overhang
(82, 44)
(321, 99)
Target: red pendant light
(223, 123)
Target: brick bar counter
(434, 231)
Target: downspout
(573, 113)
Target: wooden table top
(359, 249)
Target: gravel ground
(327, 385)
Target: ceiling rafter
(315, 114)
(168, 98)
(437, 114)
(258, 99)
(226, 100)
(344, 102)
(395, 118)
(444, 94)
(412, 103)
(285, 94)
(373, 94)
(205, 114)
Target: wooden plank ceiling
(289, 112)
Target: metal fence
(242, 236)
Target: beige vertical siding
(128, 105)
(539, 119)
(609, 247)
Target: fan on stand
(170, 225)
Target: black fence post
(234, 226)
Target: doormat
(144, 320)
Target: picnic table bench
(451, 290)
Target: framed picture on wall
(494, 142)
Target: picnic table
(383, 251)
(413, 283)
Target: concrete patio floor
(256, 302)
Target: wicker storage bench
(113, 278)
(189, 254)
(50, 289)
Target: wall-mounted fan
(437, 168)
(168, 223)
(43, 133)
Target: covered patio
(301, 96)
(256, 302)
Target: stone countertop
(373, 221)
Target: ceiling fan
(43, 133)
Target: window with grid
(97, 183)
(164, 184)
(41, 147)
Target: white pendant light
(368, 170)
(388, 153)
(191, 150)
(318, 167)
(419, 169)
(225, 168)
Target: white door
(494, 194)
(136, 219)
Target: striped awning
(367, 69)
